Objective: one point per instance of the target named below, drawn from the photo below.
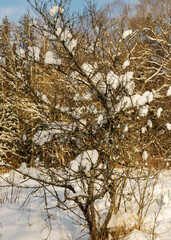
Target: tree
(98, 97)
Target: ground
(23, 215)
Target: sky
(14, 9)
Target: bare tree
(91, 90)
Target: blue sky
(14, 9)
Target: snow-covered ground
(23, 214)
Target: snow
(34, 22)
(149, 123)
(58, 31)
(126, 77)
(130, 86)
(34, 53)
(168, 92)
(126, 64)
(143, 129)
(159, 111)
(133, 100)
(148, 95)
(51, 58)
(126, 128)
(137, 235)
(144, 155)
(55, 9)
(126, 219)
(20, 52)
(97, 78)
(100, 119)
(24, 137)
(44, 98)
(168, 125)
(71, 45)
(126, 33)
(84, 161)
(143, 111)
(124, 103)
(87, 68)
(66, 36)
(92, 109)
(112, 80)
(43, 136)
(31, 221)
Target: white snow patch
(112, 80)
(149, 96)
(44, 98)
(137, 235)
(34, 53)
(100, 119)
(84, 161)
(143, 111)
(159, 111)
(92, 109)
(168, 92)
(149, 123)
(51, 58)
(126, 33)
(20, 52)
(55, 9)
(126, 64)
(19, 75)
(126, 128)
(144, 155)
(66, 36)
(87, 68)
(71, 45)
(143, 129)
(28, 221)
(24, 137)
(168, 125)
(125, 219)
(43, 136)
(58, 31)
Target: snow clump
(44, 98)
(126, 33)
(54, 10)
(43, 136)
(159, 110)
(51, 58)
(126, 128)
(66, 36)
(143, 129)
(112, 80)
(20, 52)
(34, 53)
(126, 64)
(100, 119)
(144, 155)
(136, 100)
(168, 125)
(87, 68)
(168, 92)
(149, 123)
(84, 161)
(143, 111)
(71, 44)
